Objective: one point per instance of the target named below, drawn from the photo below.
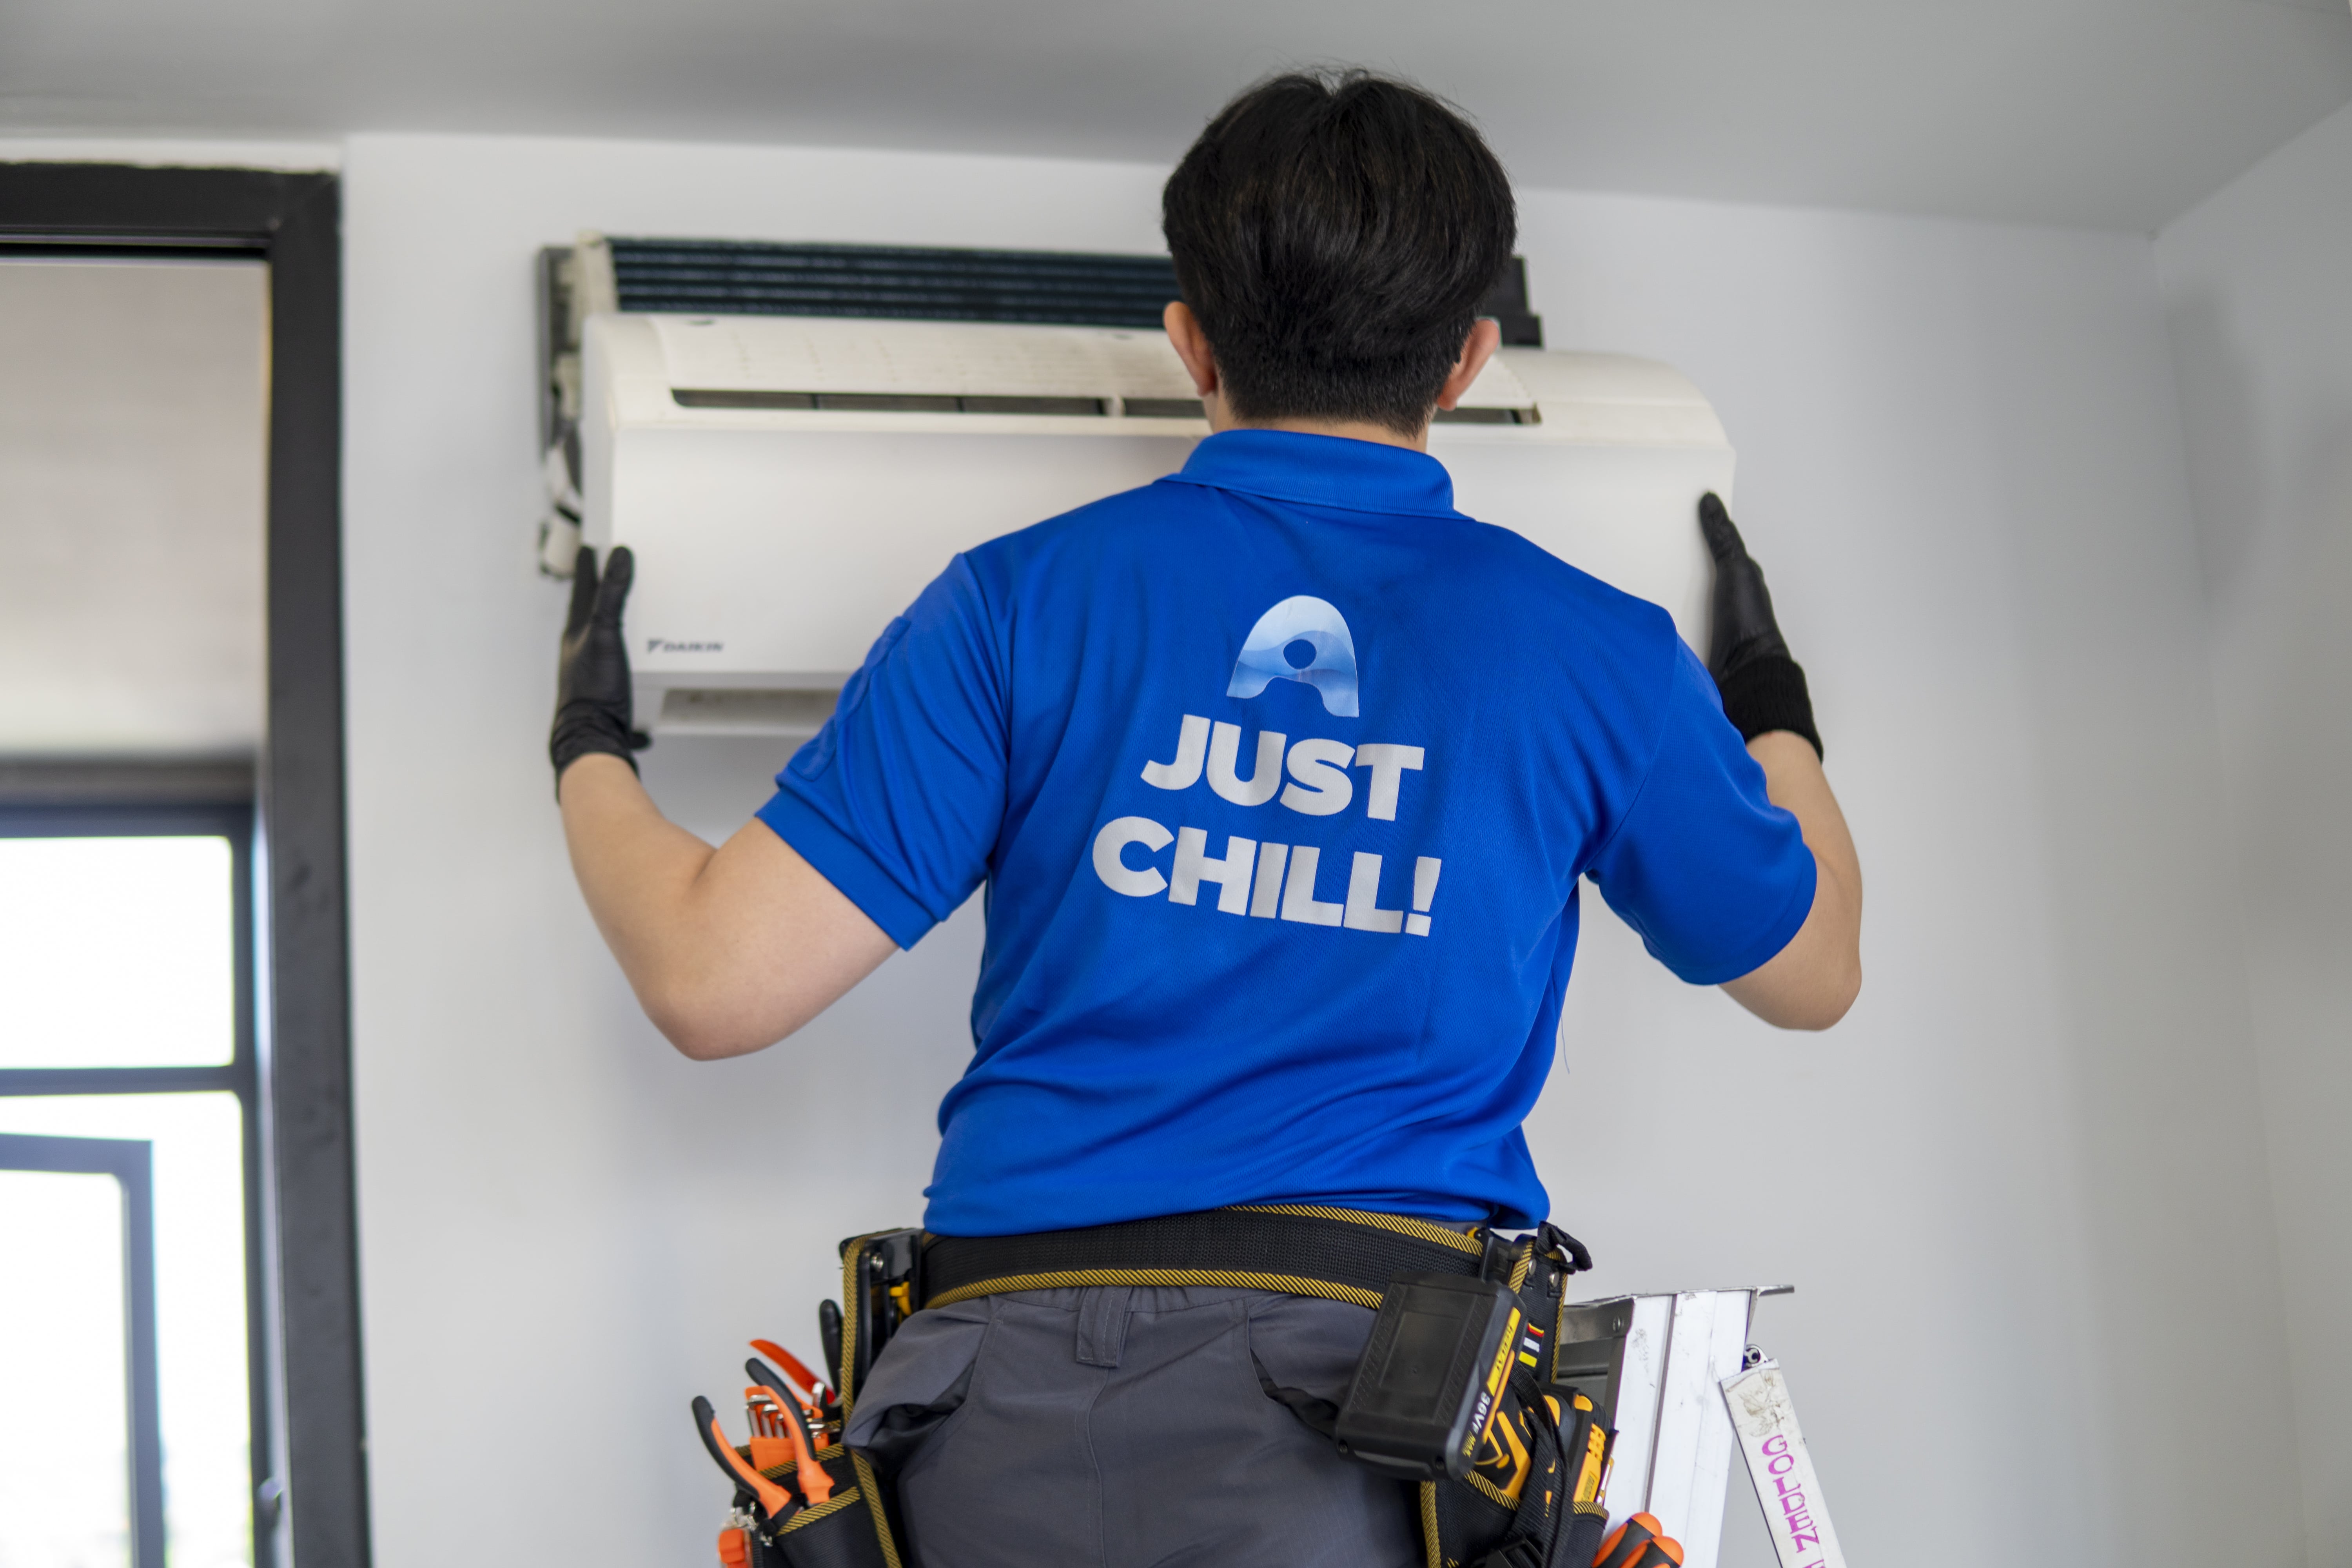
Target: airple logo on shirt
(1271, 880)
(1300, 618)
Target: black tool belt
(1516, 1506)
(1340, 1255)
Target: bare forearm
(1794, 779)
(729, 949)
(636, 869)
(1814, 980)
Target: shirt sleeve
(1714, 876)
(897, 800)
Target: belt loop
(1102, 1323)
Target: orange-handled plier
(775, 1503)
(813, 1394)
(816, 1484)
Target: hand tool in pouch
(769, 1449)
(735, 1539)
(814, 1394)
(1639, 1543)
(828, 1338)
(816, 1484)
(1585, 1444)
(883, 1278)
(775, 1503)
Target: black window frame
(233, 820)
(131, 1162)
(302, 1051)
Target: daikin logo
(664, 645)
(1331, 670)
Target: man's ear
(1192, 346)
(1479, 347)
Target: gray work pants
(1126, 1427)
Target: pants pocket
(917, 1385)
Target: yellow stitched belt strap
(1340, 1255)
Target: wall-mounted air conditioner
(789, 483)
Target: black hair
(1335, 233)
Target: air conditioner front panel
(770, 557)
(859, 355)
(778, 532)
(1629, 515)
(802, 353)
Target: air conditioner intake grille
(720, 276)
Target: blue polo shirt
(1281, 775)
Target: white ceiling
(2110, 112)
(131, 477)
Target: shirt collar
(1322, 470)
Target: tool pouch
(850, 1519)
(1514, 1508)
(857, 1527)
(1531, 1452)
(851, 1528)
(1517, 1507)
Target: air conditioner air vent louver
(744, 278)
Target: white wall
(567, 1229)
(2018, 1175)
(2022, 1189)
(2258, 292)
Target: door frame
(291, 221)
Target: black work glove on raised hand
(1763, 689)
(594, 708)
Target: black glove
(1763, 689)
(593, 701)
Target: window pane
(199, 1317)
(133, 432)
(117, 952)
(65, 1493)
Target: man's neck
(1347, 429)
